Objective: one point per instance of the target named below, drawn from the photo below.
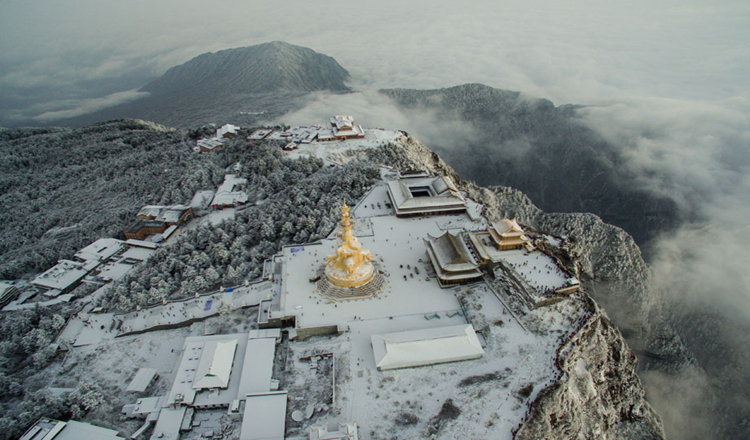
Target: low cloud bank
(372, 109)
(73, 108)
(697, 154)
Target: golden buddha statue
(350, 266)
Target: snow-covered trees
(61, 189)
(25, 347)
(299, 203)
(87, 396)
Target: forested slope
(61, 189)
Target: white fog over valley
(664, 84)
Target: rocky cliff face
(600, 394)
(543, 150)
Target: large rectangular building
(418, 348)
(216, 370)
(48, 429)
(416, 196)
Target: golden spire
(350, 266)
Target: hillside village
(415, 310)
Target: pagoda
(350, 266)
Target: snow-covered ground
(86, 328)
(492, 394)
(375, 203)
(537, 268)
(324, 150)
(398, 249)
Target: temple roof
(451, 252)
(439, 193)
(507, 226)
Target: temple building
(452, 259)
(350, 266)
(343, 127)
(415, 196)
(507, 234)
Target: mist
(695, 153)
(577, 52)
(664, 82)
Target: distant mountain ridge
(240, 86)
(542, 150)
(255, 69)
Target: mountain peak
(261, 68)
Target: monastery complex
(412, 276)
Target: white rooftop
(344, 431)
(215, 364)
(264, 417)
(426, 347)
(226, 194)
(210, 143)
(215, 370)
(417, 195)
(63, 275)
(226, 129)
(100, 250)
(451, 252)
(197, 358)
(169, 422)
(47, 429)
(260, 134)
(257, 367)
(142, 380)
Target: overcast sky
(666, 80)
(54, 55)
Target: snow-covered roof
(508, 232)
(451, 259)
(344, 126)
(141, 243)
(345, 431)
(226, 129)
(507, 225)
(150, 211)
(168, 425)
(215, 365)
(264, 417)
(257, 367)
(48, 429)
(423, 195)
(259, 134)
(170, 230)
(142, 380)
(167, 214)
(451, 252)
(209, 143)
(100, 250)
(426, 347)
(8, 291)
(63, 275)
(226, 195)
